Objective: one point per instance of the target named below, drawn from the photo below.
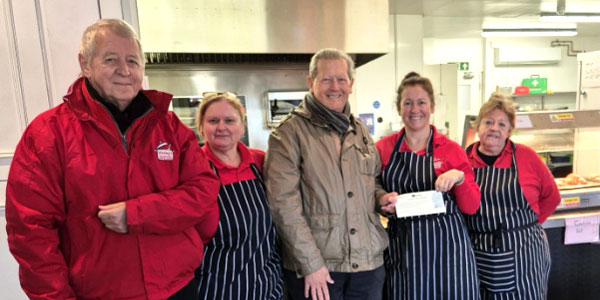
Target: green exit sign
(463, 66)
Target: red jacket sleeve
(468, 197)
(35, 211)
(208, 225)
(183, 206)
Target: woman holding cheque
(430, 255)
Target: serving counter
(569, 143)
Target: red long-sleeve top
(535, 178)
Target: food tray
(580, 186)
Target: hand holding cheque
(413, 204)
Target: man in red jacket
(104, 190)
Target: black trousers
(188, 292)
(366, 285)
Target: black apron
(511, 249)
(429, 257)
(242, 260)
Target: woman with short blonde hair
(518, 193)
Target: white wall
(562, 77)
(479, 52)
(379, 79)
(9, 272)
(450, 50)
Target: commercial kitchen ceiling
(465, 18)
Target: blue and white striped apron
(429, 257)
(511, 249)
(242, 259)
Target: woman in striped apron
(429, 257)
(242, 259)
(518, 193)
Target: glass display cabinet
(568, 141)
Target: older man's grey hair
(89, 40)
(330, 53)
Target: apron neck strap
(429, 147)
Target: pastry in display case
(569, 142)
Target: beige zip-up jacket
(322, 196)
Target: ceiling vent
(259, 32)
(157, 59)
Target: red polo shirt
(535, 178)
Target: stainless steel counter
(575, 203)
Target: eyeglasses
(213, 94)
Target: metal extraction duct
(256, 31)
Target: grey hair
(89, 40)
(330, 53)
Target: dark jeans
(188, 292)
(367, 285)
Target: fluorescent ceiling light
(570, 17)
(529, 32)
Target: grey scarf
(335, 120)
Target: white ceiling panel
(465, 18)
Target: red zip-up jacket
(447, 155)
(73, 158)
(535, 178)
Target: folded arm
(173, 210)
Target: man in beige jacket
(320, 173)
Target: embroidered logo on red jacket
(437, 162)
(163, 151)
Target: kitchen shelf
(541, 102)
(547, 94)
(562, 164)
(554, 150)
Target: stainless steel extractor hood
(258, 31)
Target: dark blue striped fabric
(496, 270)
(242, 260)
(429, 257)
(512, 252)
